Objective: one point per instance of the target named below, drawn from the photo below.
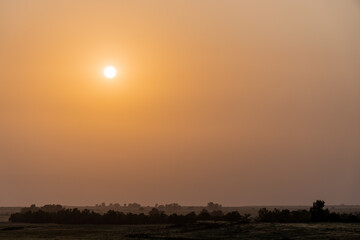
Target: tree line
(316, 213)
(155, 216)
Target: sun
(110, 72)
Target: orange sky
(237, 102)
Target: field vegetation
(200, 230)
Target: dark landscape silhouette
(57, 214)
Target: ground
(205, 230)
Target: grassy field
(205, 230)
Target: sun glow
(110, 72)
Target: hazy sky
(236, 102)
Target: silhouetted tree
(232, 216)
(214, 206)
(204, 215)
(318, 214)
(217, 215)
